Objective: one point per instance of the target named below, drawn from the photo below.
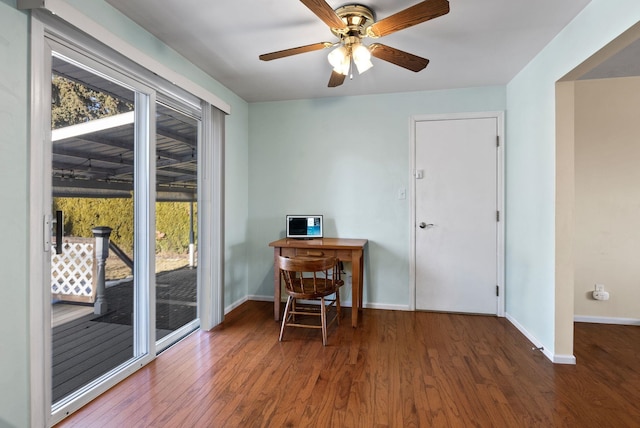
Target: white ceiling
(479, 43)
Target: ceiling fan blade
(336, 79)
(325, 13)
(398, 57)
(411, 16)
(295, 51)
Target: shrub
(83, 214)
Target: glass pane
(92, 287)
(176, 220)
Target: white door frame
(144, 223)
(499, 116)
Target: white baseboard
(564, 359)
(235, 304)
(259, 298)
(554, 358)
(345, 303)
(606, 320)
(386, 307)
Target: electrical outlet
(599, 287)
(601, 295)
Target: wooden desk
(347, 250)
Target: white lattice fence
(73, 273)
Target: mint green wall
(530, 160)
(345, 158)
(14, 216)
(14, 182)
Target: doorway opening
(596, 157)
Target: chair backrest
(310, 276)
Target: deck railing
(73, 272)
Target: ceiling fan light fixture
(351, 23)
(340, 60)
(336, 56)
(363, 66)
(344, 67)
(362, 58)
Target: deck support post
(101, 233)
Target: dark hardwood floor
(397, 369)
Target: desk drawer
(315, 252)
(343, 255)
(288, 252)
(309, 252)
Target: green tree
(83, 214)
(73, 103)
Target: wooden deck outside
(85, 346)
(62, 313)
(397, 369)
(84, 349)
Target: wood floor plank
(397, 369)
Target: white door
(456, 215)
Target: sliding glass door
(120, 160)
(124, 235)
(100, 277)
(176, 308)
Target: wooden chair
(309, 278)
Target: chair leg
(339, 315)
(323, 317)
(284, 318)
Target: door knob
(423, 225)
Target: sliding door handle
(59, 228)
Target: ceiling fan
(352, 23)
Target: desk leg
(360, 304)
(276, 285)
(356, 286)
